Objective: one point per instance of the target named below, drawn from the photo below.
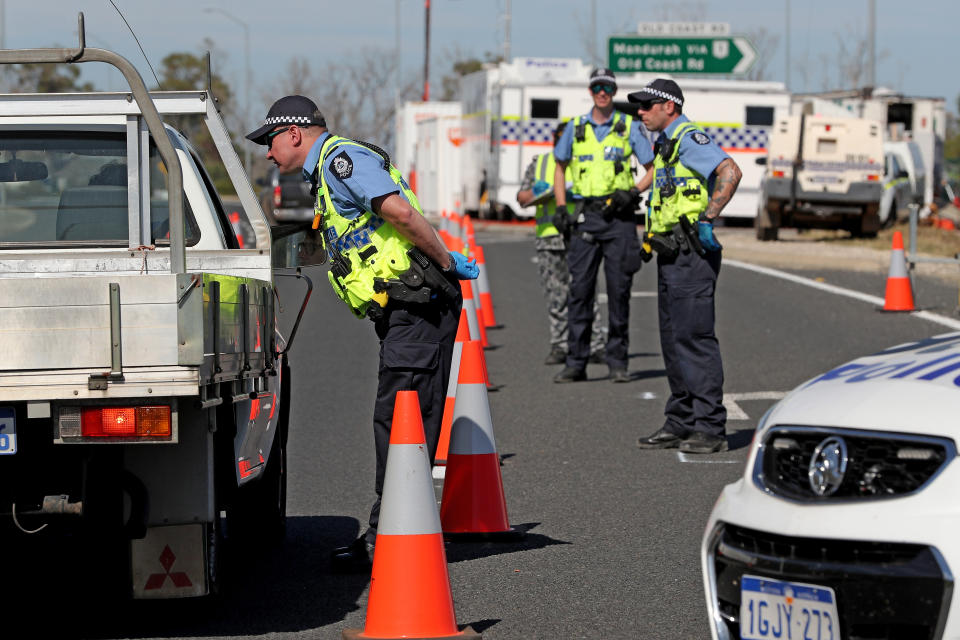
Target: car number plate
(8, 431)
(787, 610)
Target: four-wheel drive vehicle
(286, 197)
(910, 161)
(144, 384)
(844, 524)
(824, 173)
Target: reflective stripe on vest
(373, 246)
(594, 163)
(690, 196)
(545, 169)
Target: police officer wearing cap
(597, 147)
(693, 180)
(386, 263)
(551, 248)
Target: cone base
(467, 634)
(509, 535)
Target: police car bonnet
(298, 110)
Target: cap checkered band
(663, 94)
(289, 120)
(603, 78)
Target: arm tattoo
(728, 178)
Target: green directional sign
(727, 55)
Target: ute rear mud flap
(171, 562)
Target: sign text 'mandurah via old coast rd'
(676, 54)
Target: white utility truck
(144, 385)
(824, 173)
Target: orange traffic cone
(468, 234)
(899, 296)
(477, 330)
(409, 586)
(473, 504)
(483, 283)
(463, 335)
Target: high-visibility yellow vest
(373, 247)
(600, 167)
(690, 195)
(545, 169)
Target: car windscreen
(60, 187)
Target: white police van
(844, 524)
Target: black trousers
(416, 345)
(615, 242)
(691, 353)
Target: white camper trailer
(511, 110)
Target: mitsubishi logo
(179, 578)
(827, 466)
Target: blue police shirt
(639, 139)
(354, 175)
(697, 151)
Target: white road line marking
(850, 293)
(699, 459)
(734, 412)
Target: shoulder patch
(700, 138)
(342, 165)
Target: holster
(665, 244)
(418, 283)
(693, 236)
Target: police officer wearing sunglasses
(693, 180)
(386, 263)
(597, 147)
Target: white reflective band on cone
(470, 304)
(455, 368)
(482, 281)
(898, 265)
(472, 430)
(409, 504)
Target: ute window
(61, 188)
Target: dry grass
(931, 241)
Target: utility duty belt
(680, 239)
(419, 283)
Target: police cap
(659, 90)
(298, 110)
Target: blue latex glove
(540, 187)
(464, 268)
(707, 240)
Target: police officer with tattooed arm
(386, 263)
(693, 180)
(597, 147)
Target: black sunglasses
(272, 135)
(609, 88)
(646, 105)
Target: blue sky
(915, 46)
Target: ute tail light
(147, 422)
(778, 174)
(276, 196)
(873, 177)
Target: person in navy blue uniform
(416, 338)
(597, 148)
(694, 180)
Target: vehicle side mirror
(902, 174)
(296, 245)
(22, 171)
(762, 161)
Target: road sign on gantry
(677, 55)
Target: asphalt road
(613, 532)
